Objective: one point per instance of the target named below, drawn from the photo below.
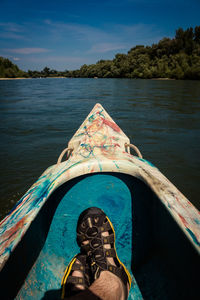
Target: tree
(46, 71)
(197, 34)
(10, 70)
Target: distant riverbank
(13, 78)
(27, 78)
(19, 78)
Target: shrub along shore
(177, 58)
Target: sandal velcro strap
(108, 239)
(81, 237)
(98, 254)
(78, 267)
(110, 252)
(76, 280)
(70, 282)
(86, 248)
(105, 227)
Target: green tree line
(47, 72)
(10, 70)
(176, 58)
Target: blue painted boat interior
(162, 261)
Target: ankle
(108, 286)
(112, 280)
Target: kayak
(157, 228)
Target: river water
(39, 116)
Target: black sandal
(92, 222)
(69, 282)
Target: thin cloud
(11, 36)
(124, 3)
(12, 31)
(112, 37)
(13, 27)
(76, 31)
(137, 30)
(123, 37)
(139, 34)
(48, 22)
(106, 47)
(27, 50)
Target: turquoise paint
(193, 236)
(100, 167)
(147, 162)
(91, 119)
(116, 164)
(104, 191)
(101, 114)
(197, 221)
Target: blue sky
(66, 34)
